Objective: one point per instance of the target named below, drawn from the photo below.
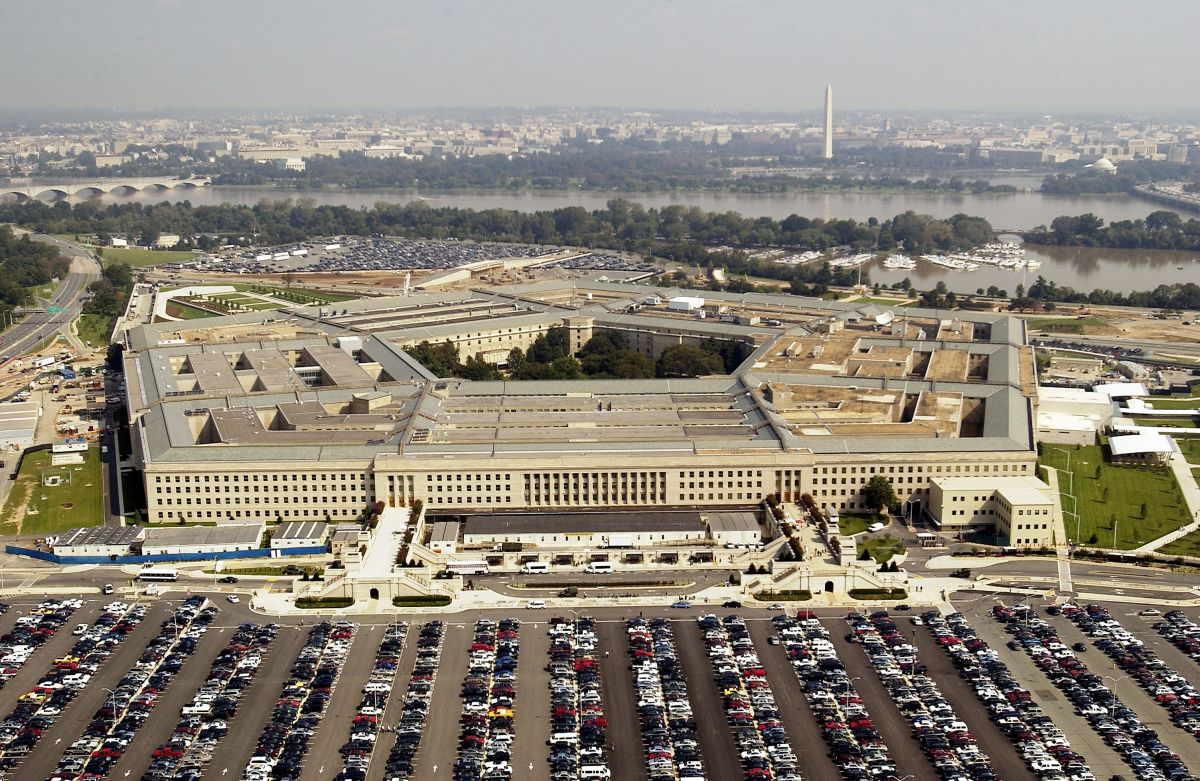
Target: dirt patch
(66, 505)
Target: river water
(1080, 268)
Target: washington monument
(828, 121)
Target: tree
(879, 493)
(682, 360)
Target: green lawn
(1128, 488)
(295, 295)
(137, 258)
(176, 308)
(1188, 545)
(851, 523)
(882, 549)
(1063, 325)
(1190, 449)
(233, 299)
(1164, 402)
(78, 503)
(1172, 422)
(94, 329)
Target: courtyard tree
(879, 493)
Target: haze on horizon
(728, 55)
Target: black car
(731, 603)
(228, 579)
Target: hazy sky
(765, 55)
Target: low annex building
(299, 534)
(1020, 509)
(314, 415)
(105, 541)
(172, 540)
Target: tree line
(26, 264)
(605, 356)
(1159, 230)
(621, 224)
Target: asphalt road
(395, 703)
(1104, 762)
(718, 750)
(1005, 761)
(322, 759)
(35, 328)
(257, 703)
(531, 706)
(439, 744)
(803, 732)
(165, 716)
(1134, 696)
(42, 761)
(620, 703)
(893, 727)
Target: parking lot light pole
(1115, 680)
(849, 688)
(113, 704)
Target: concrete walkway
(1191, 497)
(1062, 547)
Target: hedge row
(792, 595)
(878, 593)
(432, 600)
(316, 603)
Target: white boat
(899, 262)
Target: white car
(233, 599)
(875, 527)
(536, 604)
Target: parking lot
(206, 690)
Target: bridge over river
(100, 186)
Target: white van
(535, 568)
(594, 772)
(599, 567)
(570, 738)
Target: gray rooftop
(100, 535)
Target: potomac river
(1080, 268)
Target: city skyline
(706, 55)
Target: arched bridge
(101, 186)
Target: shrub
(430, 600)
(787, 595)
(878, 593)
(316, 603)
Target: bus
(467, 568)
(159, 574)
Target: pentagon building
(315, 412)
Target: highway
(37, 327)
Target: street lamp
(112, 704)
(849, 688)
(1115, 680)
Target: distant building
(289, 164)
(118, 242)
(828, 121)
(167, 240)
